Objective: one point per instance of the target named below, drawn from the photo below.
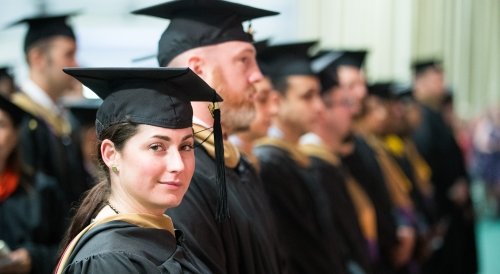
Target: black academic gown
(121, 247)
(363, 166)
(350, 239)
(28, 220)
(300, 220)
(57, 156)
(247, 242)
(426, 215)
(436, 143)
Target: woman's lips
(172, 184)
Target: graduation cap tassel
(222, 213)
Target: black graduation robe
(300, 220)
(55, 153)
(119, 246)
(339, 204)
(424, 205)
(246, 242)
(28, 219)
(363, 166)
(436, 143)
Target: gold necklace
(113, 208)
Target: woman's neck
(124, 204)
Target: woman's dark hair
(95, 199)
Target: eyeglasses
(347, 103)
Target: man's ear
(36, 57)
(109, 153)
(196, 63)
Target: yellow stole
(406, 148)
(321, 152)
(141, 220)
(367, 216)
(60, 126)
(205, 137)
(363, 205)
(295, 153)
(397, 183)
(420, 167)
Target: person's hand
(17, 262)
(404, 250)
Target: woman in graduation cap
(29, 202)
(146, 157)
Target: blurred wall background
(465, 34)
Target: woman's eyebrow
(187, 137)
(168, 139)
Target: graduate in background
(351, 76)
(49, 143)
(266, 109)
(436, 142)
(30, 203)
(359, 159)
(354, 215)
(373, 125)
(305, 225)
(84, 110)
(237, 236)
(401, 146)
(146, 156)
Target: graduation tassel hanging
(222, 213)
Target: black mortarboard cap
(197, 23)
(45, 26)
(403, 92)
(420, 66)
(322, 66)
(348, 58)
(383, 90)
(154, 96)
(15, 112)
(261, 45)
(286, 59)
(84, 110)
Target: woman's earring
(114, 169)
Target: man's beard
(236, 114)
(237, 119)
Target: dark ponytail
(95, 199)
